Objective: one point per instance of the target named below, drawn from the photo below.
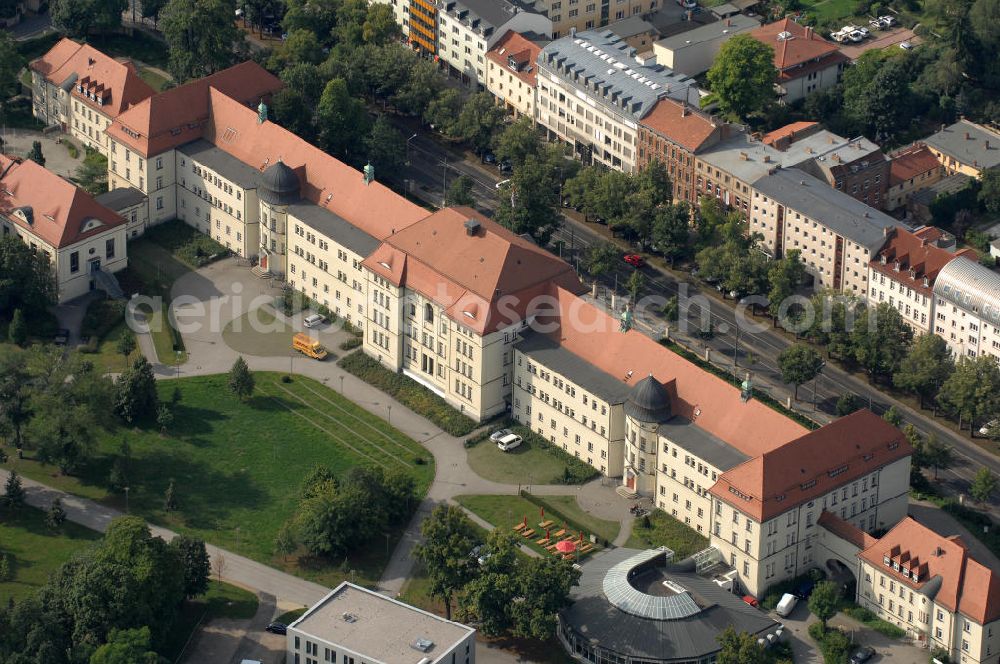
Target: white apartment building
(967, 308)
(592, 93)
(512, 75)
(82, 90)
(693, 52)
(467, 29)
(836, 234)
(84, 241)
(354, 625)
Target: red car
(751, 600)
(635, 260)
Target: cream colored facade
(967, 333)
(581, 15)
(785, 546)
(967, 308)
(916, 308)
(682, 481)
(74, 264)
(966, 640)
(510, 90)
(81, 119)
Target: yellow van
(308, 346)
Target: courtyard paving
(57, 157)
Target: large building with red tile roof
(83, 239)
(904, 271)
(511, 73)
(806, 62)
(82, 90)
(732, 468)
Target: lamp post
(178, 364)
(408, 148)
(444, 182)
(126, 500)
(388, 417)
(341, 385)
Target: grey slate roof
(683, 639)
(545, 351)
(648, 401)
(738, 23)
(121, 198)
(221, 162)
(836, 210)
(952, 142)
(701, 443)
(333, 227)
(492, 14)
(603, 66)
(631, 26)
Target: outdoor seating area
(564, 542)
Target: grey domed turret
(648, 402)
(278, 184)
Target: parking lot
(880, 39)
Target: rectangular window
(74, 261)
(109, 248)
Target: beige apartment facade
(512, 75)
(967, 308)
(580, 15)
(965, 147)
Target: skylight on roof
(385, 265)
(469, 314)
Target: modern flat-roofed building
(355, 625)
(966, 147)
(512, 73)
(467, 29)
(82, 90)
(967, 308)
(693, 52)
(837, 235)
(806, 62)
(637, 32)
(593, 92)
(84, 240)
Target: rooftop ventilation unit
(423, 645)
(785, 36)
(472, 226)
(349, 617)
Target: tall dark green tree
(241, 380)
(880, 340)
(18, 330)
(799, 364)
(386, 148)
(972, 391)
(195, 562)
(27, 280)
(201, 35)
(342, 121)
(925, 368)
(13, 491)
(742, 77)
(135, 392)
(78, 18)
(739, 648)
(460, 191)
(446, 552)
(530, 202)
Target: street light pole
(408, 148)
(388, 417)
(126, 500)
(341, 386)
(444, 182)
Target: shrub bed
(187, 244)
(833, 643)
(869, 618)
(773, 594)
(409, 392)
(101, 317)
(351, 343)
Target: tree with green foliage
(35, 154)
(11, 62)
(880, 340)
(972, 391)
(15, 399)
(543, 586)
(293, 112)
(478, 122)
(305, 79)
(799, 364)
(202, 37)
(126, 344)
(937, 455)
(989, 190)
(152, 8)
(742, 77)
(284, 541)
(17, 332)
(342, 120)
(170, 498)
(55, 516)
(196, 564)
(892, 416)
(301, 46)
(423, 84)
(380, 25)
(6, 573)
(447, 552)
(832, 323)
(490, 593)
(164, 417)
(823, 601)
(601, 258)
(671, 230)
(78, 18)
(443, 111)
(530, 202)
(847, 404)
(92, 174)
(672, 310)
(460, 191)
(783, 277)
(925, 368)
(386, 147)
(13, 491)
(636, 282)
(127, 646)
(320, 16)
(739, 648)
(241, 380)
(983, 486)
(135, 392)
(517, 141)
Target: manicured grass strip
(288, 617)
(664, 530)
(409, 392)
(222, 600)
(566, 508)
(535, 461)
(35, 550)
(238, 466)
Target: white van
(508, 442)
(787, 603)
(313, 320)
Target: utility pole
(736, 350)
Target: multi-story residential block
(926, 583)
(511, 73)
(674, 133)
(805, 61)
(965, 147)
(703, 451)
(910, 170)
(447, 299)
(579, 15)
(967, 308)
(355, 625)
(84, 241)
(417, 20)
(905, 269)
(467, 29)
(836, 235)
(82, 90)
(693, 52)
(592, 94)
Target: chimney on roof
(987, 144)
(729, 21)
(744, 156)
(767, 159)
(472, 227)
(684, 110)
(835, 157)
(966, 135)
(809, 32)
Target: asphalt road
(432, 166)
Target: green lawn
(506, 511)
(221, 601)
(155, 80)
(36, 549)
(666, 531)
(830, 10)
(238, 466)
(535, 461)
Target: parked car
(751, 600)
(856, 36)
(786, 604)
(501, 184)
(635, 260)
(62, 337)
(862, 655)
(506, 167)
(887, 21)
(497, 435)
(985, 429)
(805, 589)
(509, 442)
(314, 320)
(276, 628)
(875, 24)
(490, 158)
(905, 45)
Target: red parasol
(547, 534)
(543, 512)
(525, 520)
(566, 546)
(581, 535)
